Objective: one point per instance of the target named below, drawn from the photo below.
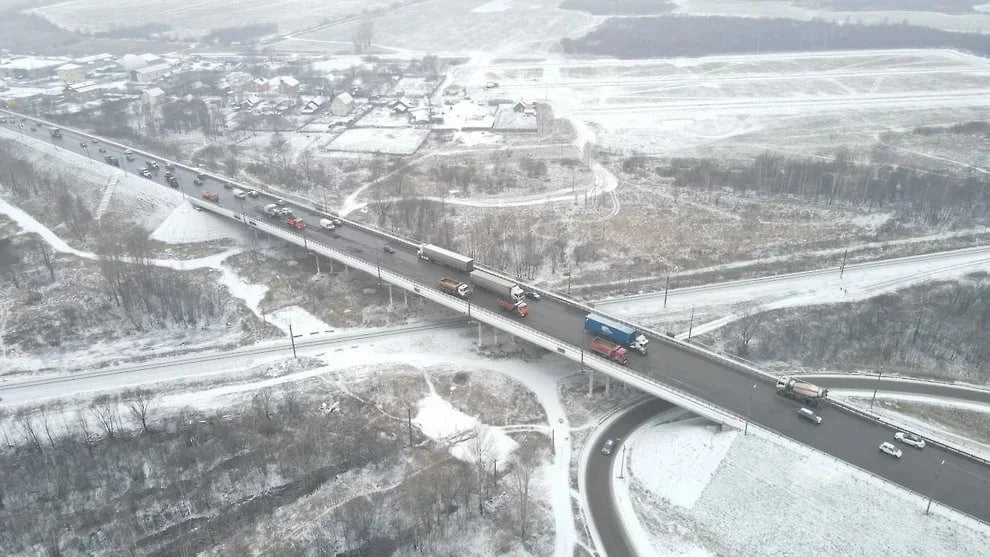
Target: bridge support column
(495, 335)
(480, 342)
(317, 256)
(608, 383)
(405, 297)
(591, 381)
(390, 297)
(331, 265)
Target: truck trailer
(802, 391)
(445, 257)
(498, 285)
(451, 286)
(611, 350)
(617, 332)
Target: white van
(327, 223)
(808, 414)
(239, 193)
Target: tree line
(122, 476)
(938, 330)
(667, 36)
(920, 195)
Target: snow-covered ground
(195, 18)
(391, 141)
(694, 490)
(800, 103)
(717, 305)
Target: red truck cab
(611, 350)
(297, 222)
(519, 308)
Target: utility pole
(409, 423)
(876, 388)
(292, 339)
(666, 289)
(748, 408)
(691, 325)
(842, 268)
(622, 463)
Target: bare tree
(141, 404)
(363, 34)
(749, 325)
(9, 259)
(28, 430)
(520, 481)
(104, 409)
(481, 448)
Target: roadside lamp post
(568, 275)
(931, 492)
(876, 388)
(691, 324)
(622, 462)
(748, 408)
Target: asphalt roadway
(963, 483)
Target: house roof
(290, 81)
(86, 87)
(153, 69)
(32, 63)
(344, 98)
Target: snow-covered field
(453, 26)
(801, 103)
(692, 490)
(198, 18)
(393, 141)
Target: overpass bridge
(724, 390)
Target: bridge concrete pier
(608, 383)
(495, 335)
(390, 303)
(480, 341)
(405, 297)
(591, 381)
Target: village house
(342, 105)
(71, 73)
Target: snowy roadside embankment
(698, 491)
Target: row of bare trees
(934, 198)
(940, 329)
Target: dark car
(388, 248)
(102, 150)
(532, 295)
(228, 185)
(198, 182)
(83, 144)
(201, 176)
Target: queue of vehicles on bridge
(609, 340)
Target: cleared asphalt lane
(598, 476)
(962, 482)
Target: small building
(30, 68)
(152, 97)
(71, 73)
(400, 106)
(314, 105)
(84, 91)
(342, 105)
(523, 107)
(288, 85)
(258, 85)
(149, 74)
